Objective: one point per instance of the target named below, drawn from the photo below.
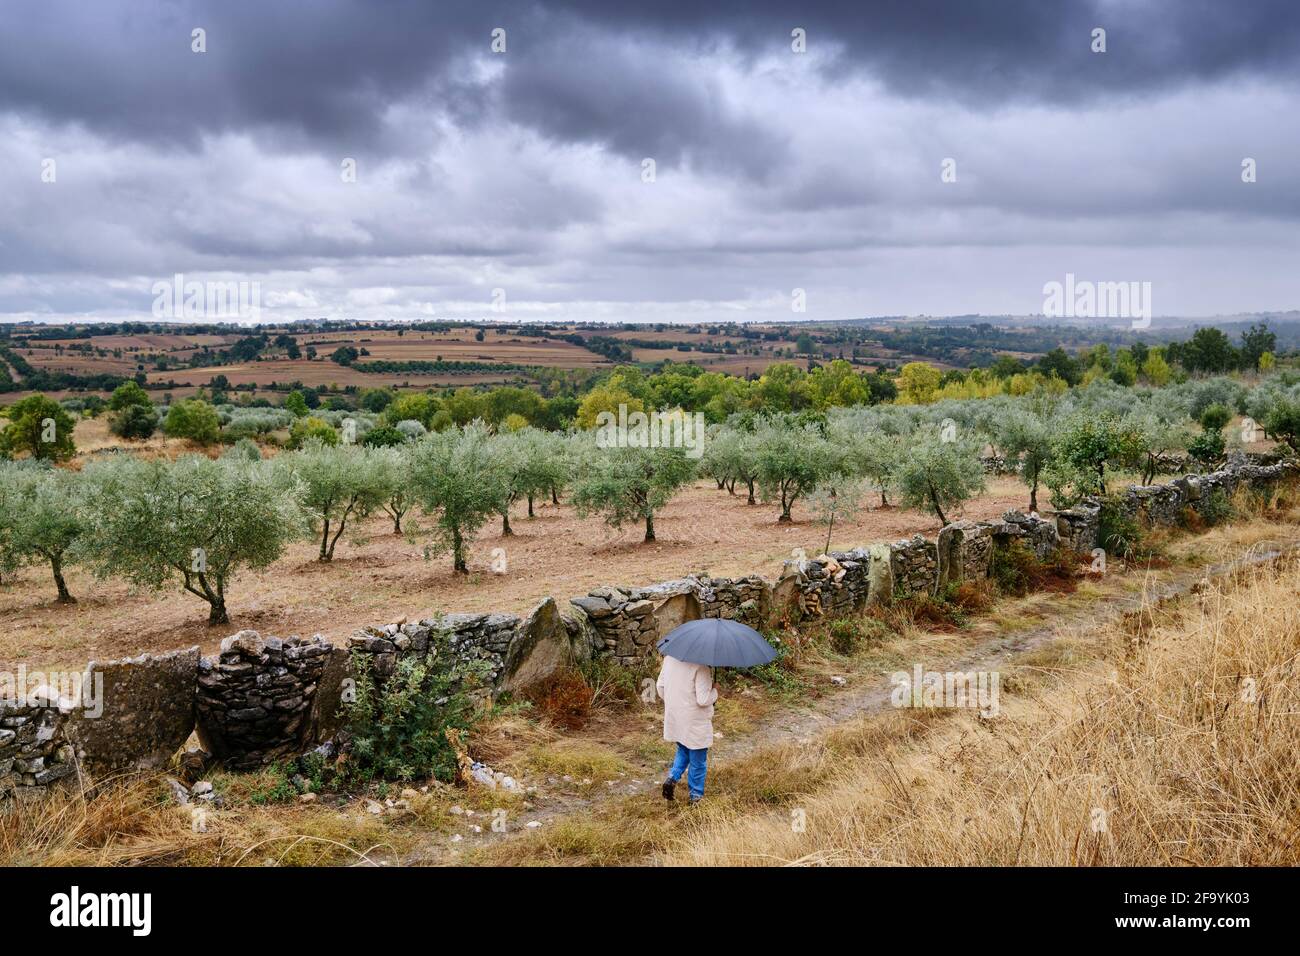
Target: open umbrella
(717, 643)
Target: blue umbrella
(718, 643)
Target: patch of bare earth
(377, 576)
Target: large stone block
(541, 646)
(325, 719)
(672, 612)
(147, 713)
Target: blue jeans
(698, 760)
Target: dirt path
(870, 695)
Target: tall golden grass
(1167, 739)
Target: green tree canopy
(940, 471)
(629, 484)
(40, 426)
(193, 419)
(454, 479)
(199, 520)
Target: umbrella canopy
(717, 643)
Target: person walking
(689, 695)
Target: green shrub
(1216, 508)
(611, 681)
(311, 428)
(193, 419)
(844, 635)
(134, 422)
(1120, 534)
(1207, 448)
(397, 729)
(1011, 567)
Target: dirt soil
(379, 577)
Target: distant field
(186, 359)
(283, 371)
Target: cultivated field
(383, 576)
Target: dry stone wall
(262, 698)
(34, 750)
(255, 697)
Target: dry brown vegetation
(1169, 748)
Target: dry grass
(132, 821)
(1143, 719)
(1139, 747)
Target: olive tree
(628, 484)
(1027, 438)
(1282, 421)
(875, 455)
(732, 456)
(792, 460)
(527, 467)
(392, 477)
(333, 483)
(1156, 440)
(838, 502)
(455, 481)
(196, 519)
(940, 471)
(42, 519)
(1086, 445)
(546, 464)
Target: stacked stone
(626, 625)
(1157, 504)
(259, 700)
(469, 636)
(626, 621)
(1040, 534)
(915, 565)
(1079, 526)
(254, 699)
(824, 590)
(739, 599)
(965, 551)
(34, 751)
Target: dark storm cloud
(326, 70)
(523, 170)
(994, 49)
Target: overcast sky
(524, 170)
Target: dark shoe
(669, 785)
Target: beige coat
(688, 694)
